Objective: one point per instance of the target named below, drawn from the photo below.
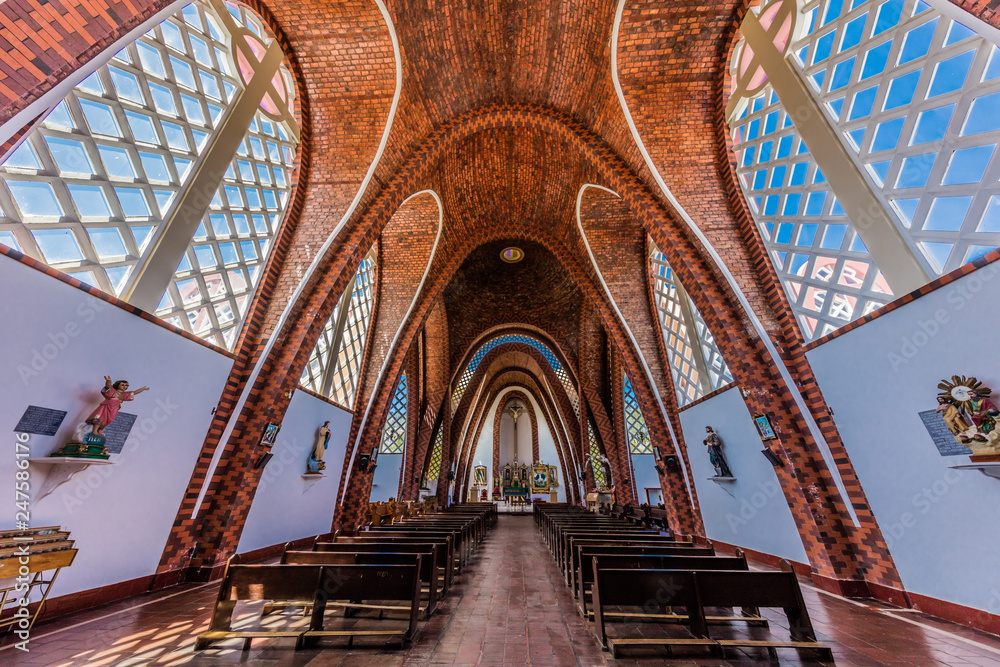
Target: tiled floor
(509, 608)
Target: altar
(515, 492)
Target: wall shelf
(61, 469)
(991, 469)
(722, 480)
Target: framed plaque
(763, 424)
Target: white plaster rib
(635, 343)
(315, 263)
(399, 329)
(814, 429)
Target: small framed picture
(270, 433)
(764, 427)
(480, 475)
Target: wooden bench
(444, 556)
(653, 590)
(424, 559)
(649, 561)
(458, 550)
(651, 547)
(319, 586)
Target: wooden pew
(567, 536)
(581, 548)
(425, 560)
(445, 548)
(696, 590)
(319, 586)
(658, 561)
(402, 531)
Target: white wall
(644, 474)
(385, 484)
(942, 525)
(58, 343)
(750, 512)
(287, 506)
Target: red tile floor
(510, 607)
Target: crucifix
(515, 411)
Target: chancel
(548, 333)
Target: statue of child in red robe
(114, 395)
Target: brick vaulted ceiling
(504, 109)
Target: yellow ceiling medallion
(512, 255)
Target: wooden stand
(49, 549)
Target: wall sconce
(670, 461)
(368, 461)
(772, 457)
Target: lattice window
(348, 370)
(477, 358)
(215, 280)
(89, 187)
(916, 97)
(828, 275)
(718, 370)
(340, 381)
(674, 307)
(434, 466)
(319, 361)
(635, 425)
(394, 431)
(595, 458)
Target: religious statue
(316, 464)
(714, 445)
(970, 414)
(952, 416)
(93, 444)
(114, 395)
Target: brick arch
(464, 403)
(555, 402)
(560, 347)
(559, 402)
(525, 379)
(280, 371)
(685, 519)
(530, 410)
(868, 543)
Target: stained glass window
(635, 425)
(915, 99)
(477, 358)
(595, 458)
(434, 466)
(394, 431)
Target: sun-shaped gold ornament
(957, 390)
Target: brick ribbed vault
(489, 119)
